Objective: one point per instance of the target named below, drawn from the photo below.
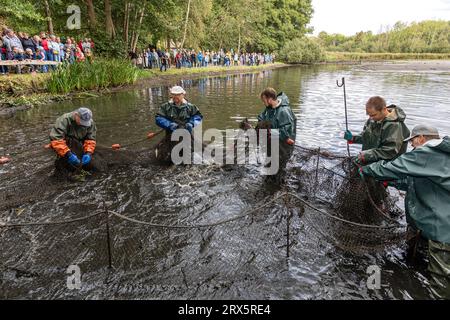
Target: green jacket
(180, 114)
(281, 118)
(383, 140)
(427, 173)
(66, 127)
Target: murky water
(236, 261)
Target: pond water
(156, 263)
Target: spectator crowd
(42, 47)
(49, 47)
(163, 59)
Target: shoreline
(23, 92)
(31, 93)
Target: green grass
(357, 56)
(81, 79)
(96, 75)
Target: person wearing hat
(383, 134)
(72, 128)
(178, 113)
(424, 173)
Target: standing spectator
(200, 62)
(29, 56)
(133, 57)
(69, 50)
(40, 56)
(163, 62)
(18, 56)
(79, 55)
(3, 69)
(28, 43)
(178, 58)
(61, 49)
(193, 59)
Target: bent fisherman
(278, 115)
(73, 138)
(383, 134)
(424, 174)
(178, 113)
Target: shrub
(301, 50)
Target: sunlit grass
(356, 56)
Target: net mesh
(323, 203)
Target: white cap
(177, 90)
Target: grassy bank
(84, 80)
(81, 80)
(361, 56)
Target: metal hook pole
(345, 105)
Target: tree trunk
(108, 20)
(138, 27)
(186, 23)
(126, 22)
(48, 17)
(91, 13)
(239, 42)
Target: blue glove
(189, 127)
(86, 159)
(173, 126)
(348, 135)
(73, 159)
(166, 123)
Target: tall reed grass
(96, 75)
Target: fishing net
(176, 248)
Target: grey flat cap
(422, 130)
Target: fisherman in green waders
(278, 115)
(383, 134)
(424, 174)
(178, 113)
(73, 138)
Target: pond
(243, 260)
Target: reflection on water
(174, 195)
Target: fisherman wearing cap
(424, 174)
(76, 126)
(383, 134)
(178, 113)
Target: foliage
(301, 50)
(422, 37)
(263, 25)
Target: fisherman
(424, 174)
(178, 113)
(73, 138)
(383, 134)
(278, 115)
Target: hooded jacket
(426, 171)
(281, 118)
(383, 140)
